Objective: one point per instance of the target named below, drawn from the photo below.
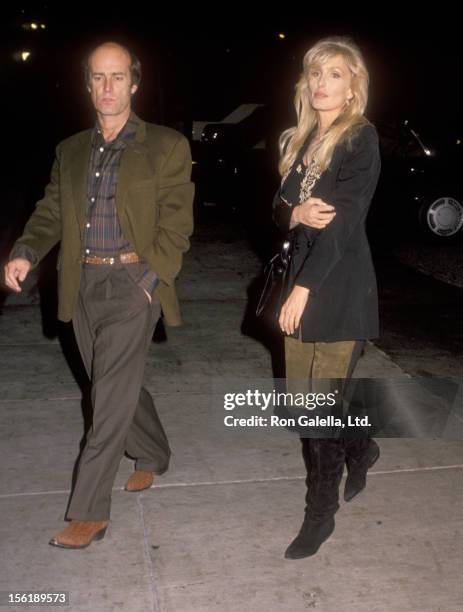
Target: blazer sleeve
(175, 221)
(355, 187)
(43, 229)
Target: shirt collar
(126, 134)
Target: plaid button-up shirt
(102, 232)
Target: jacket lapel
(79, 172)
(130, 168)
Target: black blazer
(335, 262)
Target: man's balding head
(121, 50)
(112, 74)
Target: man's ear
(133, 89)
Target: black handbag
(275, 278)
(275, 275)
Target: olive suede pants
(306, 360)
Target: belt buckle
(123, 258)
(129, 257)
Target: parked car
(419, 193)
(232, 166)
(420, 186)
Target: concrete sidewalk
(210, 535)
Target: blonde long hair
(350, 117)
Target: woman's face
(329, 84)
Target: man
(120, 201)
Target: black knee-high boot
(324, 459)
(361, 454)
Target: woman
(330, 166)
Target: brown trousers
(113, 325)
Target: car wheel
(441, 219)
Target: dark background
(200, 64)
(203, 64)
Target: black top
(335, 262)
(291, 182)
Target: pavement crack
(244, 481)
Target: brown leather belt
(130, 257)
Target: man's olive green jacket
(154, 201)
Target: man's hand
(16, 270)
(292, 309)
(314, 212)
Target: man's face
(109, 85)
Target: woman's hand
(314, 212)
(292, 309)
